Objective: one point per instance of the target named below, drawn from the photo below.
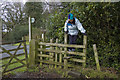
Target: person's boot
(73, 49)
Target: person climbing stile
(72, 27)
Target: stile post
(51, 54)
(56, 53)
(84, 49)
(41, 48)
(32, 53)
(41, 56)
(43, 37)
(96, 57)
(65, 49)
(60, 57)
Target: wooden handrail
(62, 45)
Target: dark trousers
(72, 40)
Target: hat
(70, 16)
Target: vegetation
(101, 23)
(18, 32)
(87, 72)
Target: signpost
(31, 20)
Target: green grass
(88, 72)
(15, 65)
(97, 74)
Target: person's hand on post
(66, 32)
(85, 34)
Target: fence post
(43, 37)
(65, 49)
(56, 53)
(41, 53)
(32, 52)
(96, 57)
(51, 54)
(41, 58)
(60, 57)
(84, 49)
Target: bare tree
(12, 14)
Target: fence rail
(13, 42)
(57, 54)
(62, 45)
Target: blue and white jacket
(74, 29)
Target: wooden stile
(53, 54)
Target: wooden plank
(56, 53)
(60, 57)
(10, 56)
(65, 49)
(76, 53)
(15, 49)
(12, 62)
(21, 41)
(16, 58)
(14, 69)
(96, 57)
(43, 55)
(85, 49)
(76, 60)
(62, 45)
(60, 51)
(51, 54)
(11, 49)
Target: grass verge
(14, 65)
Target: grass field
(14, 65)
